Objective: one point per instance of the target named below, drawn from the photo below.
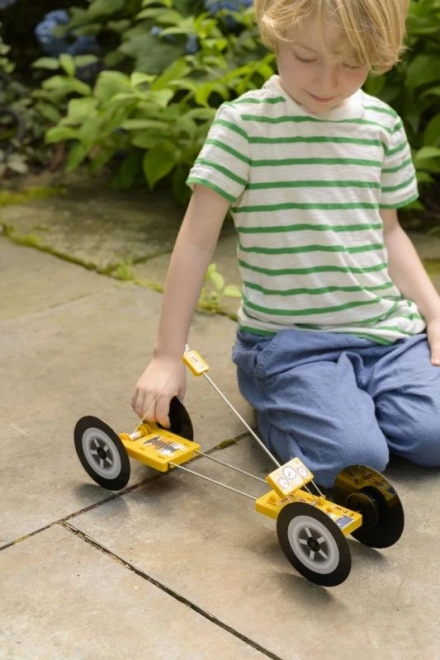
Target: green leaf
(85, 60)
(80, 110)
(142, 124)
(205, 91)
(423, 69)
(146, 140)
(428, 159)
(161, 97)
(232, 291)
(151, 54)
(202, 114)
(217, 280)
(127, 173)
(67, 63)
(139, 78)
(102, 158)
(51, 63)
(104, 7)
(48, 111)
(426, 153)
(110, 83)
(90, 132)
(149, 13)
(76, 156)
(66, 85)
(158, 162)
(431, 135)
(119, 26)
(178, 69)
(431, 91)
(61, 134)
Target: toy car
(312, 530)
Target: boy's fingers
(435, 354)
(162, 409)
(434, 342)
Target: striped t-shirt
(305, 195)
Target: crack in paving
(170, 592)
(113, 496)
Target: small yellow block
(158, 448)
(289, 477)
(195, 363)
(347, 520)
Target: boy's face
(317, 69)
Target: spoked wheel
(362, 489)
(313, 544)
(180, 421)
(101, 452)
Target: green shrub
(413, 87)
(154, 124)
(149, 112)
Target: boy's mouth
(322, 99)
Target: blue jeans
(335, 400)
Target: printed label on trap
(289, 477)
(163, 446)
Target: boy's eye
(351, 66)
(306, 60)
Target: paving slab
(73, 343)
(96, 226)
(209, 545)
(63, 598)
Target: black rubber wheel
(314, 544)
(101, 452)
(362, 489)
(180, 421)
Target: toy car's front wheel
(313, 544)
(101, 452)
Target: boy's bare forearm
(182, 289)
(191, 256)
(408, 273)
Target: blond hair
(374, 29)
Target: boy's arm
(407, 272)
(165, 377)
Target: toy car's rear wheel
(362, 489)
(101, 452)
(313, 544)
(180, 421)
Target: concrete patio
(172, 567)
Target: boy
(339, 328)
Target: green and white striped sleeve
(224, 161)
(398, 180)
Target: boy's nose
(328, 80)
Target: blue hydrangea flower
(214, 6)
(54, 46)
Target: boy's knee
(424, 450)
(327, 458)
(374, 455)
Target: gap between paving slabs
(65, 523)
(129, 236)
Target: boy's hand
(433, 334)
(162, 380)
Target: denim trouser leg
(335, 400)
